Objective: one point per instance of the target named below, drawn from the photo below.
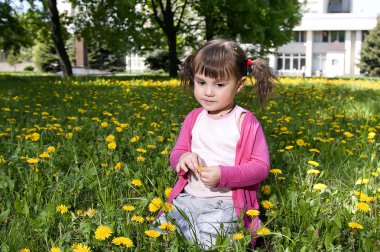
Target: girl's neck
(223, 113)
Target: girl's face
(216, 96)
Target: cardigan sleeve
(255, 167)
(183, 143)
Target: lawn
(84, 164)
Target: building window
(337, 36)
(329, 36)
(325, 36)
(338, 6)
(292, 61)
(299, 36)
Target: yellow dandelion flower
(35, 137)
(152, 233)
(141, 150)
(165, 152)
(263, 231)
(313, 171)
(300, 142)
(110, 138)
(237, 236)
(150, 219)
(167, 207)
(128, 208)
(122, 241)
(168, 191)
(55, 249)
(362, 181)
(78, 247)
(348, 134)
(137, 218)
(24, 250)
(364, 198)
(267, 204)
(155, 205)
(112, 146)
(104, 165)
(355, 225)
(44, 155)
(119, 129)
(275, 171)
(136, 182)
(170, 227)
(90, 212)
(363, 207)
(266, 189)
(371, 135)
(151, 146)
(104, 124)
(283, 128)
(102, 233)
(374, 174)
(314, 150)
(319, 187)
(289, 147)
(62, 209)
(32, 160)
(51, 149)
(119, 165)
(140, 159)
(161, 138)
(253, 212)
(313, 163)
(135, 139)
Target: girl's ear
(241, 83)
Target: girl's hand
(210, 176)
(188, 160)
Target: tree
(57, 38)
(265, 24)
(370, 53)
(12, 32)
(169, 16)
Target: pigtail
(187, 72)
(264, 77)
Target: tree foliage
(370, 53)
(12, 32)
(265, 24)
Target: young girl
(221, 154)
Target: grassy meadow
(84, 165)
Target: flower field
(84, 165)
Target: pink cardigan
(251, 165)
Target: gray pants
(202, 219)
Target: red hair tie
(249, 62)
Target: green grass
(83, 172)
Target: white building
(329, 38)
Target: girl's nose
(209, 91)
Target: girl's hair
(225, 59)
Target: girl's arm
(255, 169)
(184, 140)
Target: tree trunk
(173, 66)
(57, 38)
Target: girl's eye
(220, 85)
(200, 82)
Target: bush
(29, 68)
(159, 61)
